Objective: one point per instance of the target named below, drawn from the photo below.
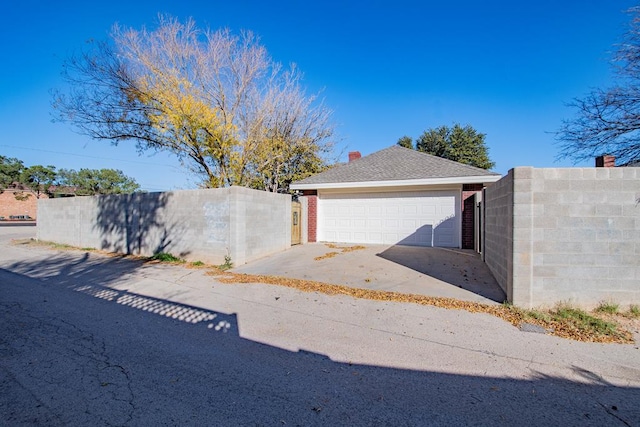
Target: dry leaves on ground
(510, 314)
(343, 249)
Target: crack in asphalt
(64, 341)
(611, 412)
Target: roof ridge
(442, 159)
(396, 163)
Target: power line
(89, 157)
(142, 185)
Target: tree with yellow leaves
(219, 102)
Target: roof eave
(481, 179)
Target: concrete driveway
(89, 339)
(438, 272)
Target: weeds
(166, 257)
(61, 246)
(608, 307)
(227, 263)
(634, 311)
(197, 263)
(539, 315)
(583, 321)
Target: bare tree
(217, 101)
(608, 120)
(292, 128)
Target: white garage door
(409, 218)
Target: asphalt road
(94, 340)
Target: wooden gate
(296, 223)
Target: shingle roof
(394, 164)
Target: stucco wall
(203, 225)
(576, 236)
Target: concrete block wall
(260, 223)
(204, 225)
(576, 236)
(497, 231)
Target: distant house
(19, 200)
(394, 196)
(16, 200)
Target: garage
(393, 196)
(416, 218)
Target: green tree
(405, 142)
(607, 121)
(218, 102)
(10, 171)
(460, 144)
(89, 182)
(39, 179)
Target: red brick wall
(605, 162)
(312, 218)
(9, 205)
(468, 214)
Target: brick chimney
(354, 155)
(605, 162)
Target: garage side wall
(498, 232)
(576, 236)
(204, 225)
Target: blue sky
(386, 69)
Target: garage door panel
(410, 223)
(428, 210)
(374, 210)
(409, 210)
(416, 218)
(374, 224)
(360, 236)
(373, 237)
(344, 223)
(391, 223)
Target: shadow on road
(59, 319)
(463, 269)
(93, 275)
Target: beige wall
(565, 235)
(204, 225)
